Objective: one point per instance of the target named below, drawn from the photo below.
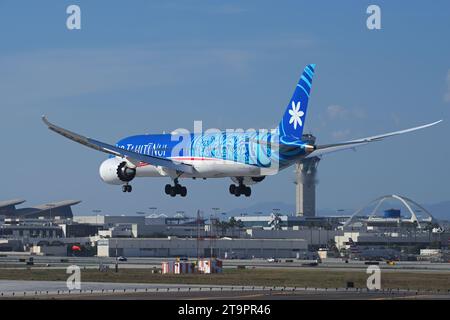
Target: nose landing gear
(126, 188)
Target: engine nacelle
(249, 180)
(116, 171)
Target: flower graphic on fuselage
(296, 115)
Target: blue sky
(153, 66)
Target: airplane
(221, 154)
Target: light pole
(215, 212)
(153, 210)
(276, 211)
(96, 211)
(198, 235)
(210, 236)
(211, 227)
(179, 215)
(117, 261)
(51, 205)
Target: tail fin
(291, 125)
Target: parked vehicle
(310, 264)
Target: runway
(111, 291)
(30, 287)
(49, 262)
(108, 290)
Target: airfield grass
(247, 277)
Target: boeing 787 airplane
(246, 157)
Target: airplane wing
(119, 152)
(283, 147)
(329, 148)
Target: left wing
(329, 148)
(119, 152)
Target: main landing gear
(126, 188)
(175, 189)
(237, 190)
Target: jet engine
(116, 171)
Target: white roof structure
(417, 214)
(53, 209)
(13, 202)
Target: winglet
(44, 118)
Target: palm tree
(223, 227)
(232, 224)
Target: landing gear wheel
(126, 188)
(130, 188)
(240, 190)
(175, 189)
(167, 188)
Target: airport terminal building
(51, 228)
(222, 248)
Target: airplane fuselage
(215, 155)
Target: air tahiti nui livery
(246, 157)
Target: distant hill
(440, 210)
(263, 207)
(285, 208)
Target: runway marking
(404, 297)
(230, 297)
(287, 293)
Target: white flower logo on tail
(296, 115)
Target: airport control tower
(305, 180)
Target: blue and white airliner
(246, 157)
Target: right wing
(119, 152)
(329, 148)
